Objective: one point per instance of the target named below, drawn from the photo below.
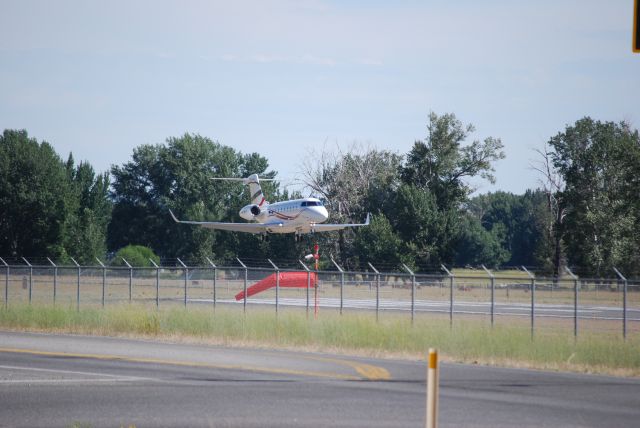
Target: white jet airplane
(297, 216)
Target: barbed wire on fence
(294, 264)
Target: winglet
(173, 216)
(366, 222)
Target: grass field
(469, 341)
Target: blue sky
(283, 78)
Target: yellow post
(432, 389)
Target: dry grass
(467, 341)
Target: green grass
(470, 341)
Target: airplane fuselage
(297, 215)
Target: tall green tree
(479, 246)
(599, 163)
(89, 212)
(517, 222)
(441, 163)
(34, 192)
(379, 245)
(439, 167)
(423, 228)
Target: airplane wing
(268, 227)
(237, 227)
(324, 227)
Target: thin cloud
(269, 58)
(312, 59)
(369, 61)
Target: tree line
(585, 213)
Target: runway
(543, 310)
(59, 380)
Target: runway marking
(367, 371)
(111, 378)
(55, 381)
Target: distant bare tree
(553, 185)
(351, 183)
(345, 179)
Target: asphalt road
(59, 380)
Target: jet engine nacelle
(252, 212)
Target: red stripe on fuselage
(283, 216)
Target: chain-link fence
(539, 303)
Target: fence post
(55, 279)
(444, 268)
(186, 273)
(533, 299)
(214, 281)
(413, 291)
(30, 277)
(130, 278)
(277, 283)
(575, 302)
(341, 284)
(377, 289)
(157, 282)
(6, 282)
(308, 284)
(493, 293)
(624, 303)
(104, 279)
(244, 287)
(78, 284)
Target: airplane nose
(324, 214)
(317, 214)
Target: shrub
(136, 255)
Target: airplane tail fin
(257, 197)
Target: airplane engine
(252, 213)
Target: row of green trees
(586, 212)
(50, 208)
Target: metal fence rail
(591, 304)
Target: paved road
(598, 312)
(58, 380)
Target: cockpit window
(311, 204)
